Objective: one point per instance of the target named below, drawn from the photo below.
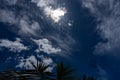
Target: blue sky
(83, 33)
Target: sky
(82, 33)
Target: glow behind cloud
(49, 9)
(55, 14)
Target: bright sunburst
(55, 14)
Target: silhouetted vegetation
(87, 78)
(62, 72)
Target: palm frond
(64, 72)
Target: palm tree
(13, 75)
(91, 78)
(40, 69)
(64, 72)
(84, 77)
(87, 78)
(37, 73)
(2, 76)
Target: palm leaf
(64, 72)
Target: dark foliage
(39, 72)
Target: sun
(55, 14)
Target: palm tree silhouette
(37, 73)
(87, 78)
(40, 69)
(64, 72)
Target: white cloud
(107, 12)
(11, 2)
(100, 8)
(14, 46)
(102, 74)
(65, 43)
(24, 25)
(44, 3)
(46, 46)
(110, 30)
(47, 61)
(7, 16)
(28, 24)
(70, 23)
(26, 63)
(55, 14)
(47, 6)
(28, 27)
